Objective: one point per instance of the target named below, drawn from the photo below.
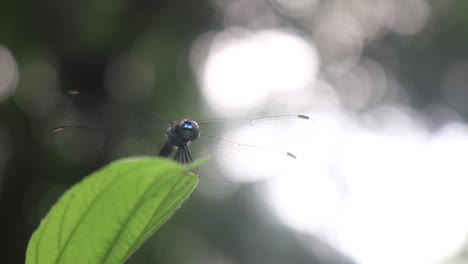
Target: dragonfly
(177, 137)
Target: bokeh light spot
(8, 73)
(244, 68)
(369, 185)
(410, 16)
(296, 7)
(38, 88)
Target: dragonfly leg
(189, 155)
(186, 157)
(177, 155)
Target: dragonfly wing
(252, 149)
(82, 143)
(108, 130)
(242, 162)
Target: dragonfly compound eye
(189, 130)
(187, 125)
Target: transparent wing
(82, 143)
(280, 123)
(105, 130)
(241, 149)
(251, 149)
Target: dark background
(80, 38)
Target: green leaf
(108, 215)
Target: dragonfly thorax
(181, 132)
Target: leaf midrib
(127, 220)
(80, 220)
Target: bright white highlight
(244, 69)
(320, 196)
(388, 192)
(405, 203)
(374, 181)
(265, 144)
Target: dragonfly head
(182, 132)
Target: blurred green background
(49, 47)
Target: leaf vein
(129, 217)
(79, 222)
